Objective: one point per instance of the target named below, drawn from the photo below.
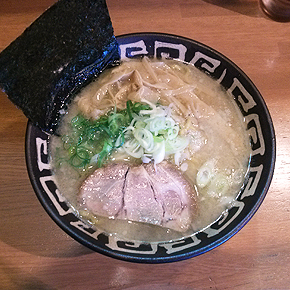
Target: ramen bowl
(259, 126)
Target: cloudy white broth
(171, 141)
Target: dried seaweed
(66, 47)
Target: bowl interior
(260, 128)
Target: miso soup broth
(204, 136)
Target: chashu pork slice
(102, 192)
(140, 203)
(157, 195)
(174, 192)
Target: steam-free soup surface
(204, 137)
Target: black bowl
(259, 125)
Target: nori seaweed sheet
(70, 44)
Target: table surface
(36, 254)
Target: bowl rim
(176, 257)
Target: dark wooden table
(36, 254)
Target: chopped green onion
(205, 173)
(143, 130)
(133, 148)
(144, 138)
(155, 131)
(104, 153)
(129, 105)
